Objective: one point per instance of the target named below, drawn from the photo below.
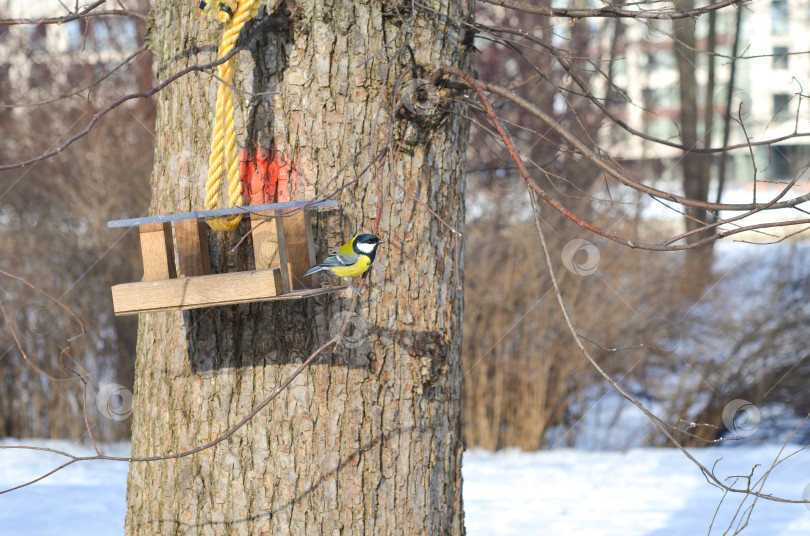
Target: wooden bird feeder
(283, 249)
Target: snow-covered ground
(652, 492)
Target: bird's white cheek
(365, 248)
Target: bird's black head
(366, 244)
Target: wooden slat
(310, 240)
(192, 248)
(134, 222)
(297, 235)
(269, 250)
(203, 291)
(157, 251)
(198, 291)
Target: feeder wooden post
(269, 247)
(157, 251)
(192, 248)
(300, 248)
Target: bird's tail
(316, 268)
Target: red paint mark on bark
(267, 176)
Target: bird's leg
(346, 279)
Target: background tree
(56, 78)
(695, 132)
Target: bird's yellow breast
(355, 270)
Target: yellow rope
(224, 150)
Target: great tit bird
(352, 259)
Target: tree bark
(367, 440)
(696, 167)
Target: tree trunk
(729, 113)
(696, 167)
(367, 440)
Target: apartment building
(40, 60)
(772, 73)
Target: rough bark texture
(367, 441)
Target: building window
(114, 34)
(780, 164)
(76, 31)
(781, 109)
(39, 37)
(779, 17)
(780, 57)
(40, 75)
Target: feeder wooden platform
(282, 247)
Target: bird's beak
(381, 242)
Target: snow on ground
(87, 498)
(650, 492)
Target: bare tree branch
(85, 13)
(612, 11)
